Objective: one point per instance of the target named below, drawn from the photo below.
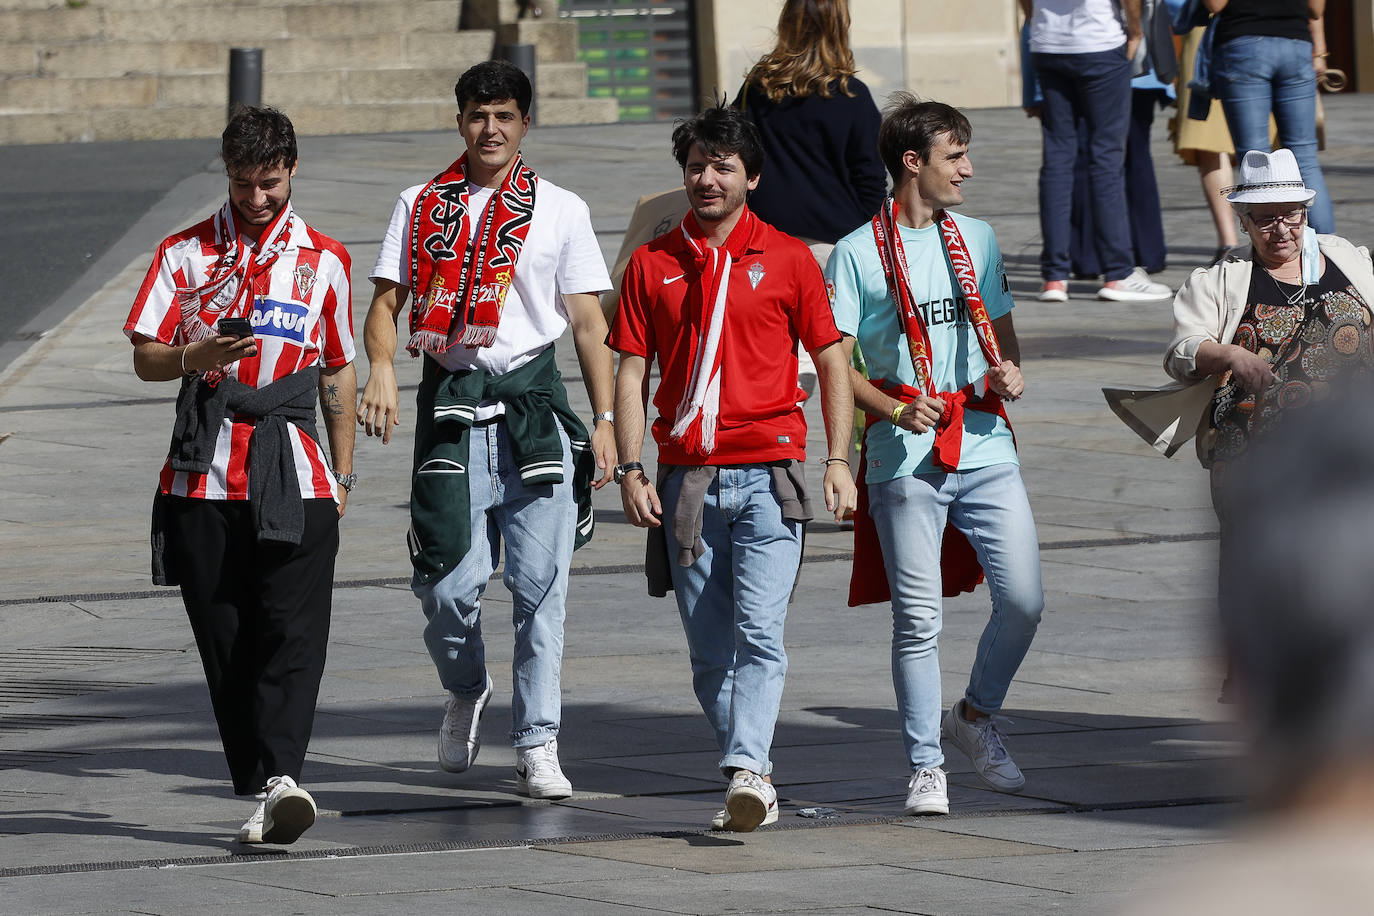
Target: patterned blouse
(1320, 333)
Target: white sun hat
(1270, 178)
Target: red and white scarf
(698, 411)
(950, 428)
(452, 304)
(228, 289)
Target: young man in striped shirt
(250, 310)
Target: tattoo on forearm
(330, 403)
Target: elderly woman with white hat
(1280, 322)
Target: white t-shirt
(1076, 26)
(560, 256)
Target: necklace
(1295, 298)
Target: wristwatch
(607, 415)
(622, 469)
(346, 480)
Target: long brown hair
(811, 53)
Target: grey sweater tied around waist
(273, 488)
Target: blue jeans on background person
(1096, 89)
(733, 603)
(1256, 75)
(538, 524)
(1146, 220)
(989, 505)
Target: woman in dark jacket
(819, 125)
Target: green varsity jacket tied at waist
(536, 404)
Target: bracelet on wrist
(843, 461)
(1322, 54)
(897, 414)
(184, 370)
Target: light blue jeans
(733, 602)
(990, 506)
(538, 524)
(1254, 75)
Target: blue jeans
(989, 505)
(538, 524)
(733, 602)
(1255, 75)
(1094, 89)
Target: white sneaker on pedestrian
(251, 831)
(1136, 286)
(927, 792)
(537, 773)
(982, 743)
(1054, 291)
(748, 802)
(459, 735)
(721, 819)
(288, 812)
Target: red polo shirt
(775, 298)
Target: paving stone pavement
(114, 797)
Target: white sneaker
(251, 831)
(748, 802)
(927, 792)
(286, 814)
(982, 743)
(537, 773)
(721, 819)
(459, 738)
(1136, 286)
(1054, 291)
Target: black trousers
(260, 613)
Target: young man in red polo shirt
(721, 301)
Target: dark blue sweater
(821, 176)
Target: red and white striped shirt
(302, 316)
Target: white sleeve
(581, 268)
(391, 259)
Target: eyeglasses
(1273, 223)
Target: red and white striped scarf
(228, 289)
(698, 411)
(949, 431)
(452, 304)
(897, 272)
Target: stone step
(284, 90)
(489, 14)
(561, 80)
(554, 112)
(121, 58)
(227, 22)
(554, 40)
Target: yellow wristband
(897, 414)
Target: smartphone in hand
(238, 328)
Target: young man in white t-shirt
(497, 278)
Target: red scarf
(452, 304)
(959, 567)
(228, 289)
(698, 412)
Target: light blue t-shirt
(865, 310)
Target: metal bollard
(245, 78)
(523, 58)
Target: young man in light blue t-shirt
(912, 492)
